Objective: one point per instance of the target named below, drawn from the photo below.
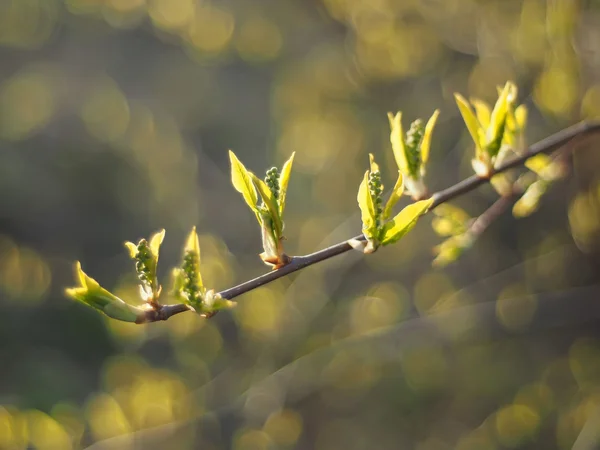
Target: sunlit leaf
(270, 202)
(426, 141)
(404, 221)
(451, 249)
(242, 182)
(155, 242)
(450, 220)
(397, 140)
(92, 294)
(284, 179)
(373, 165)
(470, 120)
(521, 116)
(394, 196)
(483, 112)
(367, 208)
(495, 131)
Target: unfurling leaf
(145, 254)
(270, 202)
(397, 141)
(404, 221)
(426, 142)
(367, 208)
(394, 197)
(242, 182)
(473, 125)
(284, 179)
(92, 294)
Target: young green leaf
(473, 125)
(495, 131)
(397, 140)
(426, 142)
(482, 111)
(404, 221)
(367, 208)
(284, 179)
(270, 202)
(242, 182)
(530, 200)
(92, 294)
(394, 197)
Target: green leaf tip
(90, 293)
(269, 214)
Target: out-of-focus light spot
(70, 418)
(45, 433)
(157, 398)
(252, 440)
(124, 13)
(584, 219)
(584, 360)
(321, 138)
(486, 76)
(425, 368)
(258, 39)
(346, 373)
(105, 111)
(515, 307)
(284, 427)
(537, 396)
(590, 104)
(515, 424)
(430, 290)
(171, 14)
(259, 312)
(27, 103)
(121, 371)
(384, 305)
(211, 30)
(478, 439)
(105, 417)
(24, 275)
(14, 433)
(556, 91)
(27, 24)
(528, 41)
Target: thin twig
(546, 145)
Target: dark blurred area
(115, 121)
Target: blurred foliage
(115, 120)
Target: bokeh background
(115, 121)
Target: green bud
(414, 136)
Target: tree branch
(546, 145)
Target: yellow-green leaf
(92, 294)
(132, 248)
(404, 221)
(268, 199)
(499, 113)
(367, 208)
(155, 243)
(426, 141)
(483, 112)
(284, 178)
(394, 196)
(538, 163)
(397, 140)
(242, 182)
(470, 120)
